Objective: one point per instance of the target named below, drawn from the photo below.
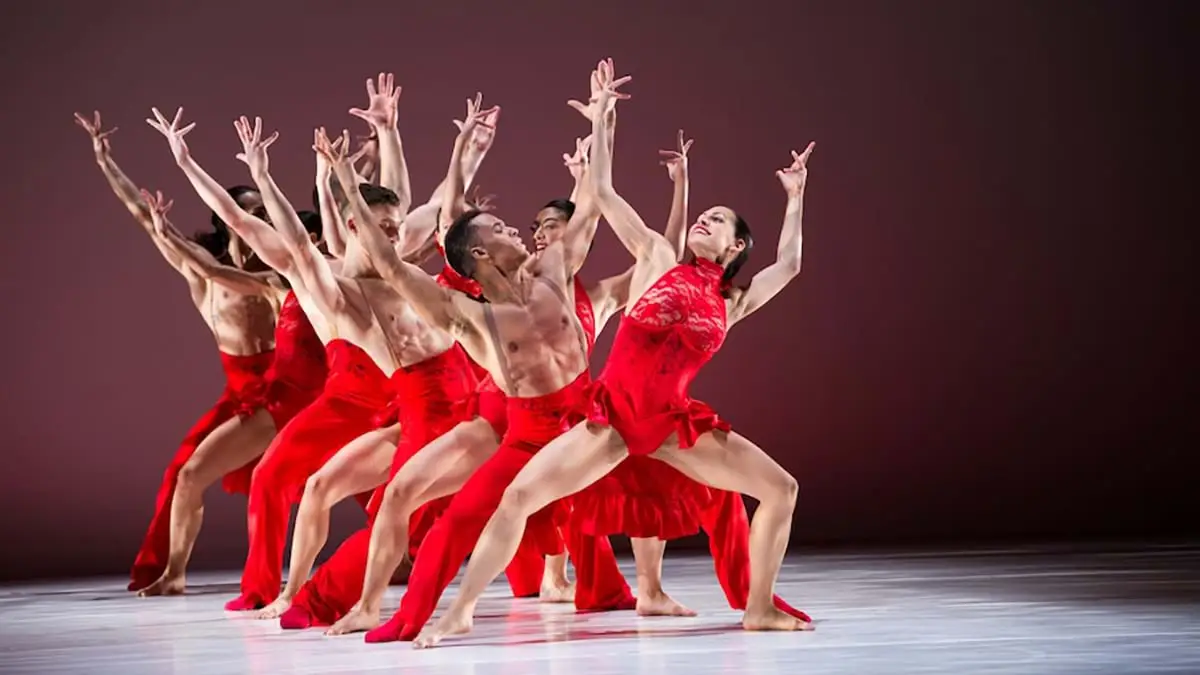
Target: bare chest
(389, 328)
(242, 324)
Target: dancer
(532, 344)
(240, 308)
(678, 318)
(442, 467)
(652, 502)
(338, 583)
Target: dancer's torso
(665, 338)
(242, 324)
(299, 353)
(386, 326)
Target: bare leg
(230, 446)
(731, 462)
(568, 464)
(437, 470)
(652, 600)
(555, 585)
(361, 465)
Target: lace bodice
(586, 313)
(668, 335)
(299, 353)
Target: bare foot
(275, 609)
(449, 624)
(557, 591)
(660, 604)
(773, 619)
(164, 586)
(356, 621)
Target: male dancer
(529, 339)
(445, 465)
(239, 307)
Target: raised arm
(381, 114)
(767, 283)
(676, 162)
(581, 228)
(641, 241)
(198, 260)
(308, 261)
(433, 302)
(257, 234)
(454, 188)
(122, 187)
(334, 228)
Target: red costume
(430, 395)
(283, 381)
(532, 423)
(354, 392)
(665, 338)
(244, 386)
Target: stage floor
(1016, 610)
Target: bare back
(383, 324)
(536, 346)
(243, 324)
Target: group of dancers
(458, 410)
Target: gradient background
(994, 332)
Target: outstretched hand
(794, 177)
(479, 125)
(382, 103)
(99, 138)
(172, 131)
(254, 146)
(676, 160)
(604, 91)
(578, 162)
(481, 201)
(159, 206)
(333, 152)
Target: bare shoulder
(550, 262)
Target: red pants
(355, 391)
(532, 423)
(243, 380)
(430, 394)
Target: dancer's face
(387, 216)
(712, 235)
(548, 227)
(498, 242)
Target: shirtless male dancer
(240, 307)
(442, 467)
(677, 320)
(352, 393)
(529, 339)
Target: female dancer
(239, 308)
(639, 406)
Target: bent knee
(189, 477)
(318, 490)
(398, 495)
(518, 501)
(784, 488)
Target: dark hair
(741, 230)
(216, 241)
(312, 222)
(375, 195)
(565, 205)
(460, 238)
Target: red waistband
(445, 377)
(256, 364)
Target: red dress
(245, 387)
(675, 328)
